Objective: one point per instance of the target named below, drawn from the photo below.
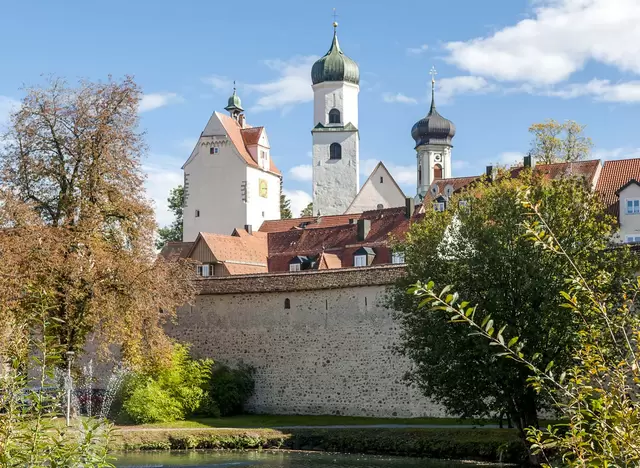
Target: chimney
(241, 120)
(409, 207)
(489, 173)
(249, 229)
(528, 160)
(364, 226)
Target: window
(437, 171)
(359, 260)
(420, 175)
(397, 257)
(204, 270)
(287, 303)
(632, 239)
(381, 180)
(335, 151)
(197, 213)
(294, 267)
(334, 116)
(438, 206)
(214, 150)
(633, 206)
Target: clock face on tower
(438, 157)
(262, 188)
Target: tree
(285, 205)
(308, 211)
(173, 232)
(75, 221)
(559, 142)
(480, 248)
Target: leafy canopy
(308, 211)
(173, 232)
(559, 142)
(480, 248)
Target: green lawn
(266, 421)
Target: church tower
(336, 142)
(433, 135)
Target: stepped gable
(236, 135)
(614, 176)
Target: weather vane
(234, 86)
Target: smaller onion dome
(234, 103)
(433, 129)
(335, 66)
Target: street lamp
(70, 355)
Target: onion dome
(433, 129)
(335, 66)
(234, 103)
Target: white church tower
(433, 135)
(336, 142)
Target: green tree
(285, 207)
(480, 248)
(559, 142)
(308, 211)
(173, 232)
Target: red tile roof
(235, 134)
(236, 248)
(329, 261)
(614, 175)
(240, 269)
(251, 135)
(176, 250)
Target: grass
(270, 421)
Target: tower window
(335, 151)
(287, 303)
(381, 179)
(197, 213)
(419, 175)
(214, 150)
(437, 172)
(334, 116)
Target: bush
(229, 390)
(169, 393)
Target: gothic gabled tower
(433, 135)
(336, 142)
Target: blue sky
(502, 65)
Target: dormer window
(397, 258)
(294, 267)
(359, 260)
(363, 257)
(439, 206)
(334, 116)
(633, 206)
(204, 270)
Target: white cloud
(511, 158)
(157, 100)
(163, 174)
(602, 90)
(616, 153)
(219, 83)
(187, 144)
(560, 38)
(7, 105)
(299, 200)
(292, 87)
(398, 98)
(303, 172)
(417, 50)
(447, 88)
(403, 175)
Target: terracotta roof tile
(240, 269)
(614, 175)
(329, 261)
(235, 134)
(176, 250)
(251, 136)
(235, 248)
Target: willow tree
(77, 224)
(480, 247)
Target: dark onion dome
(433, 129)
(335, 66)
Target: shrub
(168, 393)
(229, 390)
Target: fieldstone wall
(330, 352)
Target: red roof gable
(614, 175)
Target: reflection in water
(277, 460)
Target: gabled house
(620, 190)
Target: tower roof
(335, 65)
(433, 129)
(234, 102)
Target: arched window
(437, 172)
(335, 151)
(419, 175)
(334, 116)
(287, 303)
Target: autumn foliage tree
(76, 222)
(559, 142)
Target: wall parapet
(302, 281)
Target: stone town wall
(331, 352)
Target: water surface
(278, 460)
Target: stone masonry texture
(331, 352)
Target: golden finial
(433, 74)
(335, 17)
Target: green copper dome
(234, 102)
(335, 66)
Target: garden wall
(321, 341)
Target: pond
(278, 460)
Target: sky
(502, 65)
